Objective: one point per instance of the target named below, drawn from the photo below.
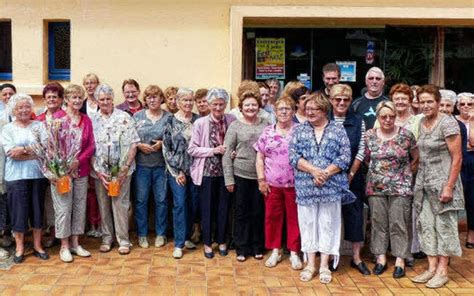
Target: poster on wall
(348, 70)
(270, 58)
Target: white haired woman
(26, 185)
(113, 128)
(176, 139)
(206, 148)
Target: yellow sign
(270, 55)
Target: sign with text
(270, 58)
(348, 70)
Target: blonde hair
(73, 89)
(343, 90)
(385, 104)
(291, 87)
(320, 101)
(91, 76)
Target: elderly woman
(465, 108)
(240, 174)
(438, 189)
(7, 90)
(131, 92)
(320, 153)
(207, 147)
(276, 182)
(341, 98)
(53, 95)
(26, 185)
(170, 100)
(90, 106)
(150, 175)
(115, 134)
(392, 155)
(178, 131)
(202, 105)
(70, 208)
(255, 88)
(90, 83)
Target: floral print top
(389, 171)
(334, 148)
(278, 171)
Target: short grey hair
(103, 89)
(447, 94)
(17, 98)
(465, 95)
(375, 70)
(183, 92)
(217, 93)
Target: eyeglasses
(130, 93)
(374, 78)
(312, 109)
(387, 117)
(152, 98)
(284, 109)
(465, 104)
(341, 99)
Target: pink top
(87, 142)
(278, 171)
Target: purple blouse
(278, 171)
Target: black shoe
(42, 256)
(419, 255)
(398, 272)
(469, 245)
(361, 267)
(379, 268)
(18, 259)
(209, 255)
(409, 262)
(331, 266)
(224, 252)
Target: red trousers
(281, 201)
(93, 214)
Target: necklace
(430, 123)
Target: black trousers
(26, 203)
(467, 176)
(353, 214)
(214, 203)
(249, 216)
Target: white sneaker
(295, 261)
(80, 251)
(178, 253)
(189, 245)
(65, 255)
(160, 241)
(4, 254)
(273, 260)
(143, 242)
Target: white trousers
(320, 228)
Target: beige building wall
(181, 42)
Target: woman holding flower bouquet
(70, 207)
(26, 185)
(114, 162)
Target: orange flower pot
(114, 188)
(63, 185)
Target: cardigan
(199, 147)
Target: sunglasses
(465, 104)
(341, 99)
(387, 117)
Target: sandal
(325, 276)
(105, 248)
(307, 273)
(241, 258)
(124, 250)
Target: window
(5, 50)
(59, 51)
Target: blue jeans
(147, 178)
(184, 200)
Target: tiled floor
(153, 272)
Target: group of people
(286, 164)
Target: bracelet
(261, 179)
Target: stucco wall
(185, 43)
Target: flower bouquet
(112, 148)
(58, 143)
